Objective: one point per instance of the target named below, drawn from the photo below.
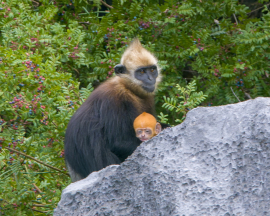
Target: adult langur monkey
(101, 132)
(146, 126)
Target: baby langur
(146, 126)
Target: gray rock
(217, 162)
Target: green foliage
(36, 103)
(212, 48)
(37, 99)
(186, 99)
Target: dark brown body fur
(101, 131)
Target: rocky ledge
(217, 162)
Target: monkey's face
(147, 75)
(144, 133)
(141, 68)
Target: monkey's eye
(148, 132)
(152, 70)
(142, 71)
(138, 131)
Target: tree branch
(247, 95)
(40, 205)
(235, 19)
(258, 8)
(235, 95)
(37, 188)
(47, 165)
(105, 4)
(88, 23)
(35, 2)
(190, 71)
(44, 212)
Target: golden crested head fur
(137, 56)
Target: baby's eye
(139, 131)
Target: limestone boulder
(217, 162)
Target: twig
(235, 19)
(190, 71)
(40, 205)
(84, 26)
(247, 95)
(47, 165)
(105, 4)
(54, 124)
(37, 188)
(38, 210)
(74, 69)
(258, 8)
(235, 95)
(88, 23)
(36, 3)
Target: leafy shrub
(186, 99)
(36, 103)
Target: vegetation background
(54, 53)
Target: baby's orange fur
(145, 120)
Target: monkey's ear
(158, 128)
(120, 69)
